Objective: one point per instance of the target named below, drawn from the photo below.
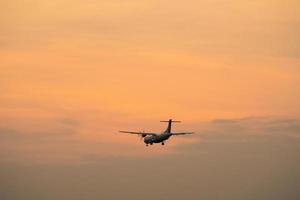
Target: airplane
(150, 138)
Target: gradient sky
(73, 73)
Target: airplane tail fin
(170, 121)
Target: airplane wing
(138, 133)
(183, 133)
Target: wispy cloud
(228, 161)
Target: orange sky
(109, 65)
(74, 73)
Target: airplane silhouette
(150, 138)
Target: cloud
(61, 128)
(69, 122)
(240, 160)
(9, 133)
(256, 125)
(224, 121)
(13, 134)
(264, 136)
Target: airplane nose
(147, 139)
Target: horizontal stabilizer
(171, 121)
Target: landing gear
(162, 143)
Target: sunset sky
(73, 73)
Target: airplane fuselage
(150, 139)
